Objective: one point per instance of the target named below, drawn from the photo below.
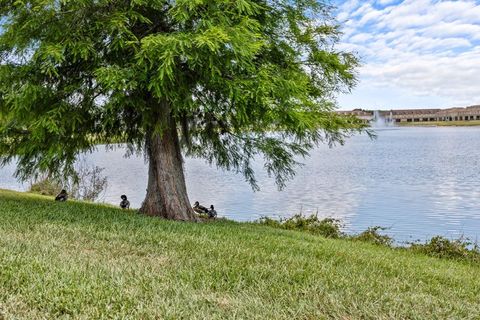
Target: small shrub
(88, 184)
(444, 248)
(372, 235)
(45, 186)
(329, 227)
(266, 221)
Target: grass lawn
(440, 124)
(82, 261)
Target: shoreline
(328, 227)
(473, 123)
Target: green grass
(440, 123)
(84, 261)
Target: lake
(418, 182)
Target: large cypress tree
(224, 80)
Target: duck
(62, 196)
(125, 204)
(212, 213)
(199, 208)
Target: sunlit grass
(89, 261)
(440, 123)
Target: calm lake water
(419, 182)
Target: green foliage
(238, 78)
(453, 249)
(372, 235)
(46, 187)
(328, 227)
(87, 184)
(77, 260)
(438, 246)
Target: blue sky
(414, 53)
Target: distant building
(419, 115)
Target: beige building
(419, 115)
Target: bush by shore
(440, 247)
(81, 260)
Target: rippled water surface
(419, 182)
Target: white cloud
(419, 47)
(385, 2)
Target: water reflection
(419, 182)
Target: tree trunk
(166, 192)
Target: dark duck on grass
(198, 208)
(124, 204)
(212, 213)
(62, 196)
